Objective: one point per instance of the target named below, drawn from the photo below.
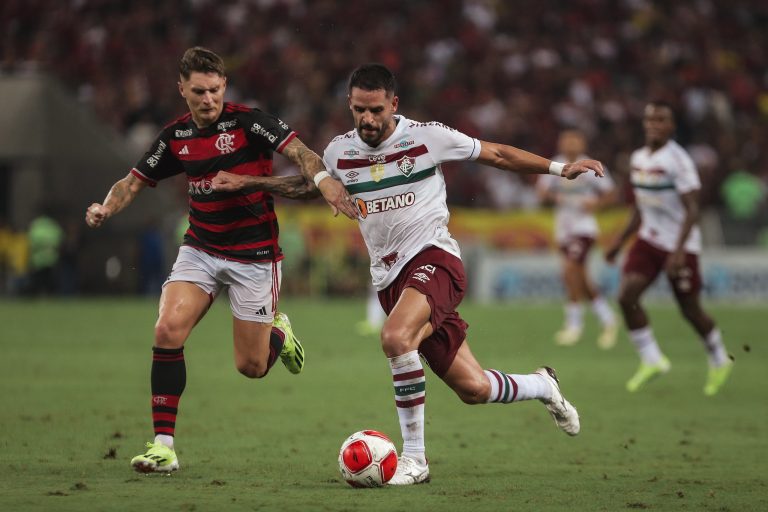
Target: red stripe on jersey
(236, 107)
(215, 206)
(238, 247)
(180, 120)
(241, 223)
(149, 181)
(408, 375)
(288, 139)
(356, 163)
(405, 404)
(205, 148)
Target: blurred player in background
(666, 186)
(576, 202)
(374, 315)
(391, 166)
(231, 244)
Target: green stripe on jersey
(670, 186)
(409, 389)
(370, 186)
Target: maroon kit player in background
(232, 241)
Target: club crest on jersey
(405, 165)
(225, 143)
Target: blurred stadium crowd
(516, 72)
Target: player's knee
(627, 299)
(168, 336)
(395, 341)
(252, 369)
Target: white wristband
(320, 177)
(556, 168)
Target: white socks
(574, 315)
(716, 352)
(646, 345)
(506, 388)
(410, 392)
(165, 440)
(602, 311)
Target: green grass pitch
(74, 409)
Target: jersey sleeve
(158, 162)
(686, 176)
(263, 128)
(447, 144)
(328, 160)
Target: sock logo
(159, 400)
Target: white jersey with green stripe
(659, 178)
(399, 190)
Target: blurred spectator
(151, 259)
(517, 72)
(744, 194)
(45, 237)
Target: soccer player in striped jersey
(666, 186)
(231, 245)
(390, 165)
(575, 231)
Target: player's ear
(181, 89)
(395, 102)
(349, 101)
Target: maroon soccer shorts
(576, 248)
(440, 277)
(649, 261)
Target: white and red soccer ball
(367, 459)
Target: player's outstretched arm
(292, 187)
(313, 169)
(120, 195)
(513, 159)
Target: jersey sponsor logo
(377, 172)
(225, 143)
(351, 152)
(406, 165)
(183, 133)
(184, 150)
(200, 188)
(390, 259)
(385, 204)
(225, 125)
(259, 130)
(404, 144)
(153, 160)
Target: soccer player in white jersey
(666, 186)
(390, 165)
(575, 232)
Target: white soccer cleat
(410, 472)
(607, 338)
(567, 336)
(565, 415)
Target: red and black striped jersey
(242, 225)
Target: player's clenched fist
(96, 214)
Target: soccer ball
(367, 459)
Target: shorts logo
(225, 143)
(390, 259)
(421, 276)
(405, 165)
(384, 204)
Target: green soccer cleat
(157, 459)
(292, 354)
(716, 378)
(647, 372)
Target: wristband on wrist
(320, 177)
(556, 168)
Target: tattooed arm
(310, 164)
(120, 195)
(292, 187)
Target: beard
(372, 137)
